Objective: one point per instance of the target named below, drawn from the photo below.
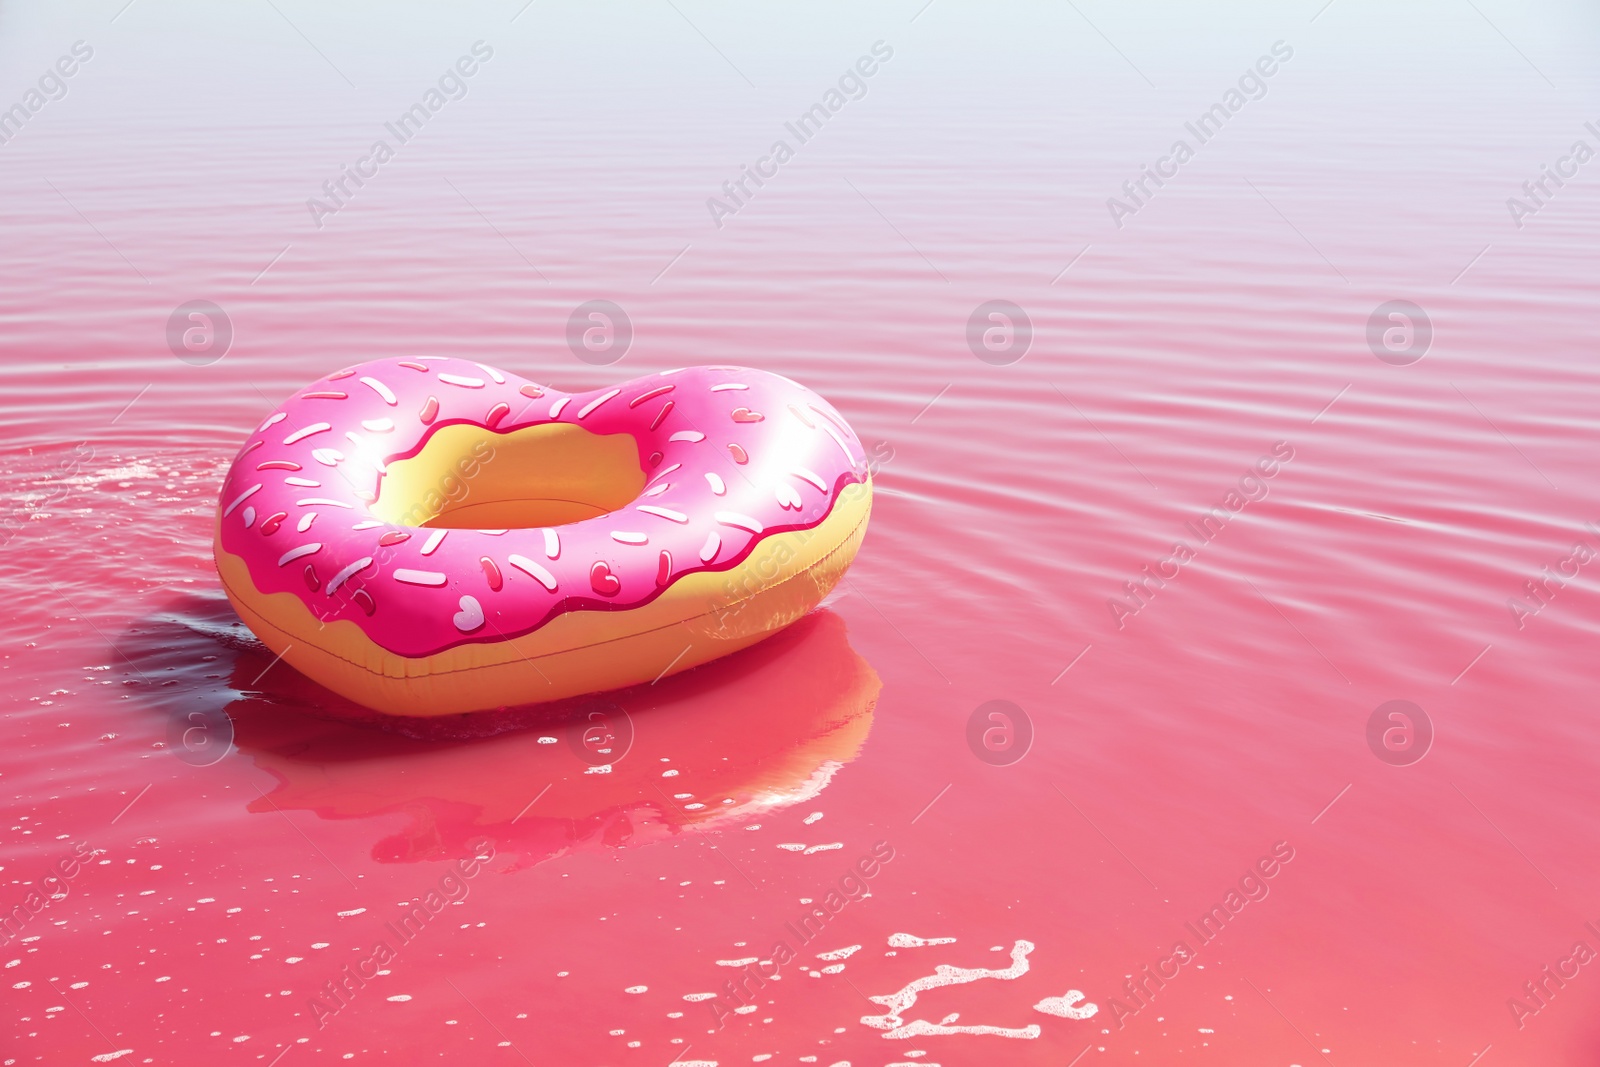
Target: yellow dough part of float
(578, 484)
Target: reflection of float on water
(718, 745)
(765, 728)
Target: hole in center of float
(467, 477)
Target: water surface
(1426, 534)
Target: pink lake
(1304, 428)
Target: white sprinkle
(665, 513)
(367, 524)
(499, 379)
(433, 541)
(333, 585)
(695, 998)
(377, 425)
(305, 521)
(533, 570)
(830, 418)
(813, 817)
(725, 386)
(787, 496)
(240, 499)
(718, 486)
(825, 848)
(381, 389)
(657, 490)
(745, 962)
(301, 435)
(625, 537)
(249, 517)
(814, 479)
(352, 911)
(555, 409)
(692, 436)
(108, 1057)
(399, 998)
(792, 846)
(582, 412)
(303, 483)
(461, 380)
(637, 989)
(743, 522)
(709, 550)
(328, 457)
(840, 953)
(666, 472)
(272, 420)
(295, 553)
(552, 544)
(313, 501)
(840, 442)
(411, 577)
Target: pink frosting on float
(731, 456)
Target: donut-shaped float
(429, 536)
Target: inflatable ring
(432, 536)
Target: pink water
(1410, 504)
